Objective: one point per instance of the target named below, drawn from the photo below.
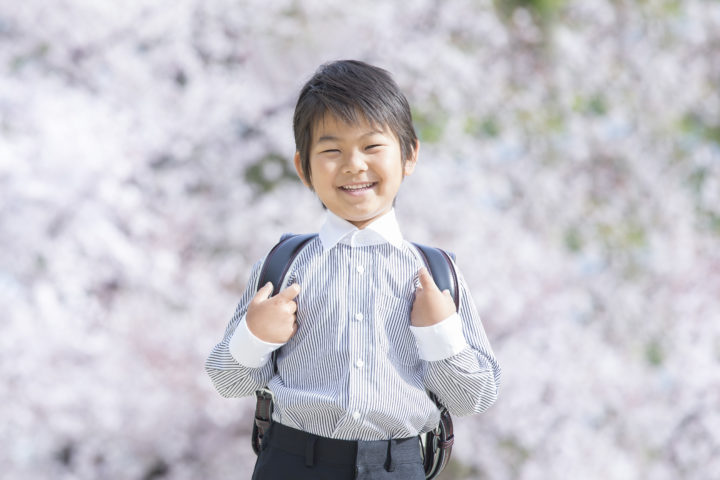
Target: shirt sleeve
(229, 376)
(464, 375)
(248, 349)
(440, 341)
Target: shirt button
(356, 415)
(359, 363)
(359, 317)
(360, 269)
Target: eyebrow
(333, 138)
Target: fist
(431, 306)
(272, 319)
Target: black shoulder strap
(438, 444)
(440, 264)
(280, 258)
(277, 263)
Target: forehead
(331, 126)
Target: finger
(264, 293)
(292, 307)
(426, 280)
(289, 306)
(290, 292)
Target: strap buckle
(263, 417)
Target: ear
(410, 163)
(299, 170)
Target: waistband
(317, 449)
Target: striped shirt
(356, 369)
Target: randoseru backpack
(436, 445)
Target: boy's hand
(272, 319)
(431, 306)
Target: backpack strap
(278, 262)
(440, 264)
(276, 265)
(437, 446)
(438, 443)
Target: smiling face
(355, 169)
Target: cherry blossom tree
(570, 158)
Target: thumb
(426, 280)
(263, 293)
(290, 292)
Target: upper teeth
(357, 187)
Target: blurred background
(570, 158)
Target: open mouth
(358, 187)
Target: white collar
(382, 230)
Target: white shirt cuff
(440, 341)
(248, 350)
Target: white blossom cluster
(570, 157)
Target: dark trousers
(287, 453)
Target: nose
(354, 162)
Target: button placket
(355, 305)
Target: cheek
(322, 177)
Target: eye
(373, 147)
(331, 150)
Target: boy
(365, 332)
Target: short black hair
(352, 90)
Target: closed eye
(370, 147)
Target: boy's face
(356, 169)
